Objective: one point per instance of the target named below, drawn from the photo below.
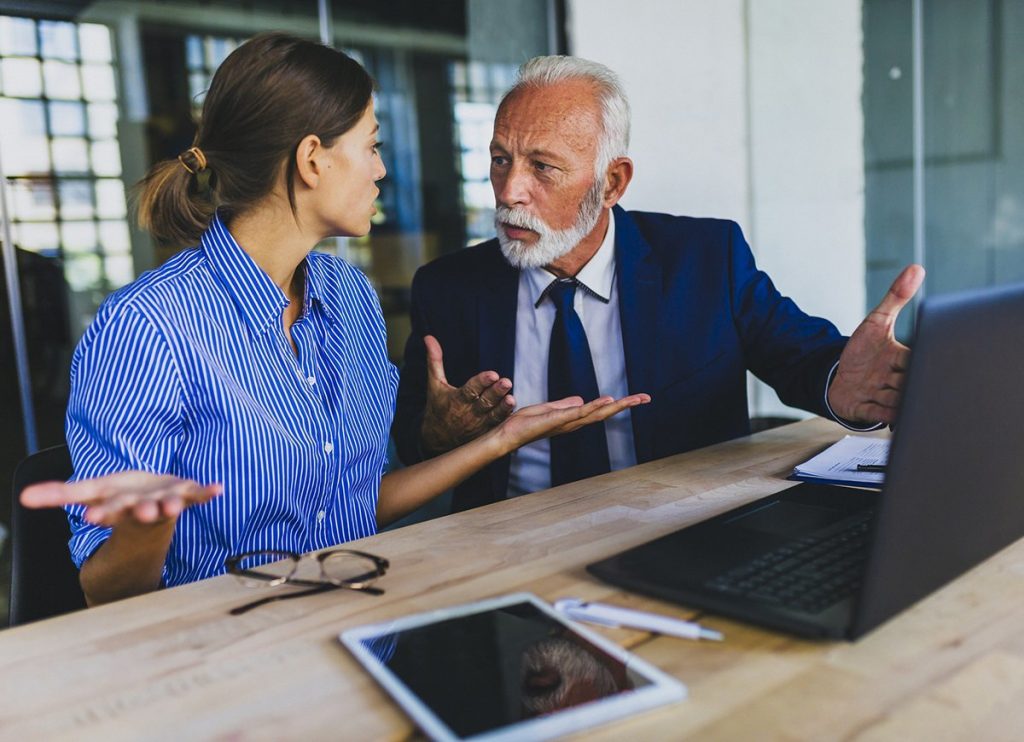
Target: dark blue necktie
(584, 452)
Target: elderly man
(578, 297)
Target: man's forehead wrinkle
(540, 121)
(532, 139)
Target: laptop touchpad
(782, 518)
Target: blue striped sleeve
(125, 410)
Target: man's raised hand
(455, 415)
(872, 367)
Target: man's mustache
(520, 218)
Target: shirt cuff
(86, 538)
(845, 423)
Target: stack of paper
(838, 463)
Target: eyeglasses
(328, 570)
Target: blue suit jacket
(696, 314)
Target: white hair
(543, 71)
(553, 668)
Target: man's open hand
(872, 368)
(456, 415)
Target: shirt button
(311, 379)
(320, 516)
(328, 447)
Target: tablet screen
(485, 670)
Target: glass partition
(971, 119)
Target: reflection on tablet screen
(487, 670)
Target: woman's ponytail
(174, 201)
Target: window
(58, 102)
(966, 213)
(394, 209)
(477, 88)
(203, 55)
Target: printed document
(838, 463)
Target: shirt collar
(316, 283)
(258, 298)
(597, 277)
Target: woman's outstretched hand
(561, 416)
(113, 499)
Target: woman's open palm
(127, 495)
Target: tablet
(505, 668)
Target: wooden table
(174, 664)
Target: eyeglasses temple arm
(301, 594)
(283, 596)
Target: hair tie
(199, 157)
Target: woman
(249, 360)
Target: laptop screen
(953, 493)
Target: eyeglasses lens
(349, 569)
(265, 569)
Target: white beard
(551, 244)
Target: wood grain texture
(174, 664)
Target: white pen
(611, 615)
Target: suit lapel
(639, 284)
(496, 330)
(496, 315)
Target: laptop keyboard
(809, 574)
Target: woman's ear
(308, 167)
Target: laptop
(835, 562)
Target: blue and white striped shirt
(187, 371)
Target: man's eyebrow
(550, 157)
(534, 154)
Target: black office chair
(44, 580)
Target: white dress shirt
(530, 468)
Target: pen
(871, 467)
(614, 616)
